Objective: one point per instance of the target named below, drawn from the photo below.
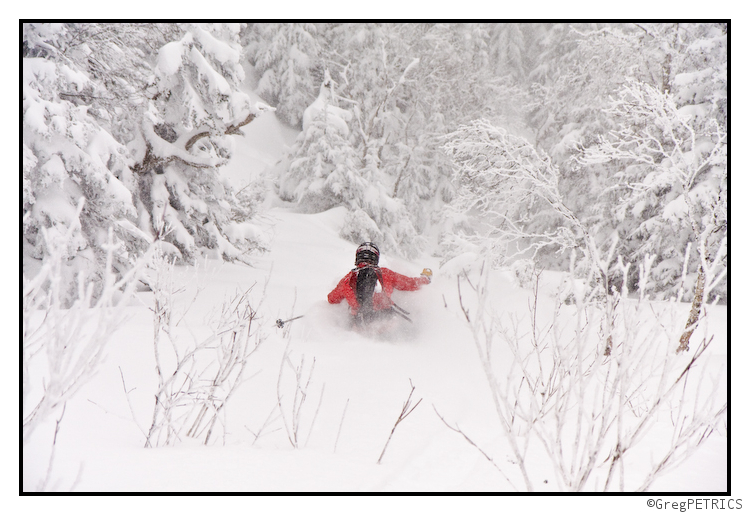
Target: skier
(368, 287)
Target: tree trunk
(694, 312)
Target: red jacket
(346, 289)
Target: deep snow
(359, 383)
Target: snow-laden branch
(257, 110)
(160, 152)
(656, 133)
(508, 181)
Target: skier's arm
(342, 291)
(404, 283)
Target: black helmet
(368, 252)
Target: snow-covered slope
(356, 385)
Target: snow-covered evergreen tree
(409, 84)
(194, 109)
(142, 115)
(576, 71)
(286, 59)
(70, 154)
(672, 186)
(375, 72)
(405, 86)
(507, 45)
(134, 119)
(325, 171)
(322, 164)
(684, 112)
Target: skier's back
(368, 287)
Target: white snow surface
(358, 387)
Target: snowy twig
(482, 336)
(44, 484)
(406, 410)
(315, 417)
(471, 442)
(341, 424)
(265, 424)
(301, 389)
(130, 405)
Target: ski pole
(280, 323)
(400, 311)
(402, 315)
(399, 308)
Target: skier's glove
(427, 273)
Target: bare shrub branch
(341, 424)
(196, 384)
(293, 423)
(406, 410)
(471, 442)
(70, 338)
(589, 409)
